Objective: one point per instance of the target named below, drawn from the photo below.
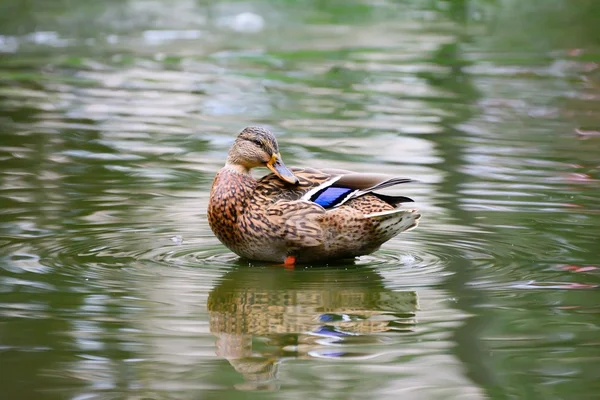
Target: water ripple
(111, 280)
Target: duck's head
(257, 147)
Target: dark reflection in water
(263, 316)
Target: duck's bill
(278, 167)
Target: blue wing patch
(330, 196)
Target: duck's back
(332, 188)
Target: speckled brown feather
(267, 220)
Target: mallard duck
(299, 215)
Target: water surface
(114, 118)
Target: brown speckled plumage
(268, 219)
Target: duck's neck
(234, 180)
(236, 168)
(232, 188)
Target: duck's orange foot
(290, 262)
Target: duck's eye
(256, 142)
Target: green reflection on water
(114, 117)
(298, 314)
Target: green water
(115, 116)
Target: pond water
(116, 115)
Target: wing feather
(314, 183)
(298, 221)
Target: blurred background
(115, 115)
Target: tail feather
(388, 224)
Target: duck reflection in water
(262, 316)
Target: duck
(300, 215)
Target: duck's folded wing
(298, 222)
(330, 188)
(337, 190)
